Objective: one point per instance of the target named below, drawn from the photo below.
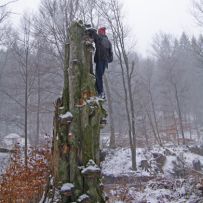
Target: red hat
(102, 31)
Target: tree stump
(77, 120)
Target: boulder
(159, 158)
(145, 165)
(196, 164)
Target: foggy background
(164, 48)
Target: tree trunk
(179, 114)
(26, 105)
(196, 127)
(38, 104)
(77, 122)
(155, 117)
(176, 125)
(110, 110)
(127, 109)
(144, 127)
(152, 126)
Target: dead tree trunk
(110, 110)
(76, 151)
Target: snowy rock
(145, 165)
(103, 155)
(196, 149)
(160, 159)
(179, 166)
(168, 152)
(196, 164)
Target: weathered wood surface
(76, 141)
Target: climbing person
(103, 56)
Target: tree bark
(38, 104)
(155, 117)
(26, 104)
(76, 137)
(110, 110)
(179, 114)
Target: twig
(47, 189)
(197, 172)
(10, 2)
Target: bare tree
(173, 74)
(198, 11)
(52, 24)
(88, 12)
(22, 50)
(147, 82)
(110, 112)
(4, 14)
(111, 12)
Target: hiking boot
(103, 96)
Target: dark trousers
(100, 68)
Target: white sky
(148, 17)
(145, 18)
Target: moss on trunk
(77, 142)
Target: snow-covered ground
(4, 159)
(118, 162)
(166, 185)
(10, 140)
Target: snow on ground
(164, 188)
(180, 194)
(4, 159)
(10, 140)
(168, 166)
(118, 162)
